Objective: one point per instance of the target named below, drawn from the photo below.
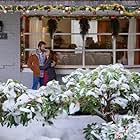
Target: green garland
(126, 11)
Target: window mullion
(83, 53)
(114, 49)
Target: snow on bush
(113, 89)
(126, 128)
(20, 105)
(104, 91)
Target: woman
(49, 70)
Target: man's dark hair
(41, 43)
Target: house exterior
(25, 24)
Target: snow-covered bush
(9, 92)
(112, 88)
(20, 105)
(104, 91)
(126, 128)
(116, 91)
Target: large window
(98, 47)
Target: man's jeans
(37, 80)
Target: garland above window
(69, 10)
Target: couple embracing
(42, 63)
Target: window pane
(122, 40)
(69, 58)
(122, 57)
(63, 41)
(98, 58)
(104, 44)
(137, 57)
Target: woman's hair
(41, 43)
(53, 55)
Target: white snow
(70, 128)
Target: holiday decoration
(84, 26)
(115, 26)
(68, 10)
(52, 26)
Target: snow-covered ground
(69, 128)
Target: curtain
(131, 40)
(35, 30)
(102, 28)
(44, 30)
(75, 28)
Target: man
(34, 62)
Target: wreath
(84, 26)
(52, 26)
(115, 26)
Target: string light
(87, 9)
(27, 11)
(5, 11)
(121, 12)
(66, 8)
(138, 12)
